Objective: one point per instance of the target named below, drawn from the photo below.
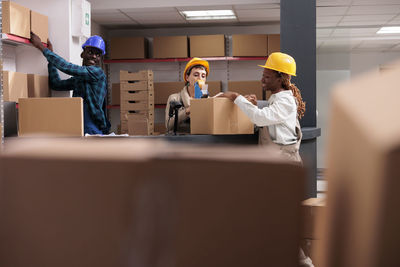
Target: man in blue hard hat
(88, 81)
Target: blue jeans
(89, 126)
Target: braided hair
(287, 85)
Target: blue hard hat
(96, 41)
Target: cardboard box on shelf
(115, 94)
(218, 116)
(314, 214)
(170, 47)
(207, 45)
(40, 25)
(128, 47)
(363, 170)
(246, 88)
(16, 19)
(56, 116)
(140, 180)
(38, 86)
(15, 86)
(274, 43)
(248, 45)
(143, 75)
(162, 90)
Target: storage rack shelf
(152, 60)
(16, 40)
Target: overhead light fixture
(391, 29)
(208, 14)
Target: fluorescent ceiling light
(208, 14)
(392, 29)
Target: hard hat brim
(266, 67)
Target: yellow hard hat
(196, 61)
(281, 62)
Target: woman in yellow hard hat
(196, 70)
(280, 119)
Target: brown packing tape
(136, 76)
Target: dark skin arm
(36, 42)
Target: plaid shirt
(88, 82)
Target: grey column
(298, 39)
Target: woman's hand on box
(231, 95)
(252, 99)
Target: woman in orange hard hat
(280, 119)
(196, 70)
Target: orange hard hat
(196, 61)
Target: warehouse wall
(333, 68)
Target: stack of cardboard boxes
(313, 213)
(137, 102)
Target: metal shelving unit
(156, 60)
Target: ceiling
(342, 25)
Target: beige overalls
(289, 151)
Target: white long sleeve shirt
(280, 116)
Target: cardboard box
(15, 86)
(128, 47)
(274, 43)
(40, 26)
(159, 128)
(140, 125)
(218, 116)
(314, 214)
(249, 45)
(170, 47)
(140, 95)
(137, 86)
(127, 105)
(247, 88)
(143, 75)
(15, 19)
(56, 116)
(104, 198)
(207, 45)
(115, 94)
(38, 86)
(162, 90)
(363, 170)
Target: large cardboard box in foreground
(38, 86)
(101, 201)
(363, 171)
(15, 86)
(15, 19)
(58, 116)
(128, 47)
(247, 45)
(40, 26)
(207, 45)
(170, 46)
(218, 115)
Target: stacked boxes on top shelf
(137, 102)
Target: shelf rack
(12, 39)
(155, 60)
